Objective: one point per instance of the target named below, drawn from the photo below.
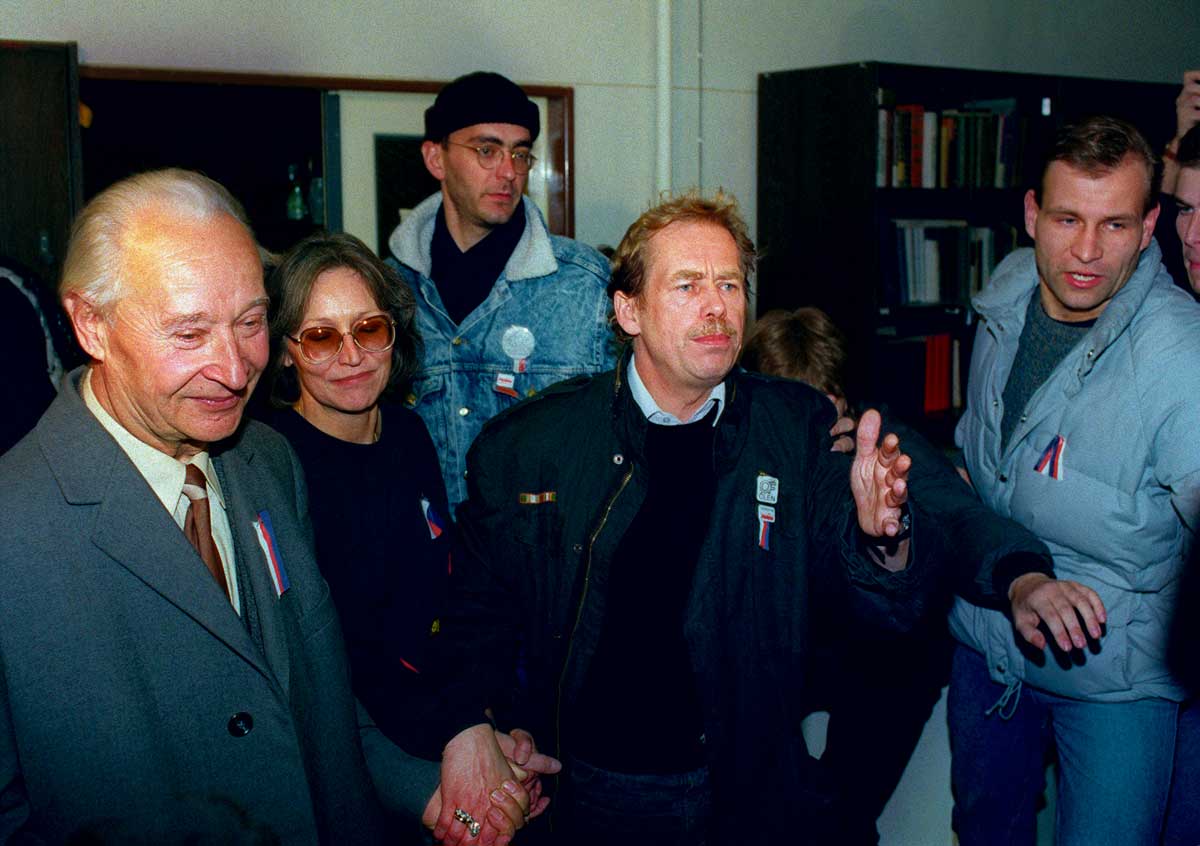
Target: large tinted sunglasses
(318, 344)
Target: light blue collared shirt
(665, 418)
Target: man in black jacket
(856, 667)
(643, 548)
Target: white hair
(94, 262)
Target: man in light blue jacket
(1082, 421)
(505, 308)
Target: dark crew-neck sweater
(464, 279)
(1043, 344)
(639, 710)
(386, 570)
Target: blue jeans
(635, 809)
(1114, 762)
(1183, 812)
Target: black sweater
(386, 571)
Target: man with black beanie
(504, 307)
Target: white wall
(605, 50)
(1117, 39)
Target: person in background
(34, 367)
(343, 343)
(1187, 115)
(1183, 811)
(504, 307)
(1186, 191)
(857, 667)
(1083, 406)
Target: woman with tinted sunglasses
(343, 341)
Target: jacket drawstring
(1007, 703)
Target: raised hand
(1187, 115)
(878, 478)
(1187, 104)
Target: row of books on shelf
(943, 261)
(981, 145)
(926, 374)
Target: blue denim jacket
(545, 320)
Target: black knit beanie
(480, 97)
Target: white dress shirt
(165, 476)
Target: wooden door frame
(560, 114)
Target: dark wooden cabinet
(244, 136)
(827, 227)
(41, 182)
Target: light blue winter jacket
(1114, 507)
(553, 287)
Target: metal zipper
(579, 610)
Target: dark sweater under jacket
(554, 486)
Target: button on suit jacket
(133, 699)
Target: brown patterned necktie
(197, 525)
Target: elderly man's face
(179, 353)
(689, 320)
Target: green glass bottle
(296, 209)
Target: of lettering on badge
(768, 489)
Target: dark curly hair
(291, 283)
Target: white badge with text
(768, 489)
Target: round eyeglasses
(318, 344)
(490, 155)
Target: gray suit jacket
(127, 681)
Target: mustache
(717, 326)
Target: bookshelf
(893, 250)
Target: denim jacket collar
(531, 258)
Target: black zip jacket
(553, 485)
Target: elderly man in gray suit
(159, 685)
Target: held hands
(494, 778)
(878, 478)
(529, 766)
(1060, 604)
(504, 803)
